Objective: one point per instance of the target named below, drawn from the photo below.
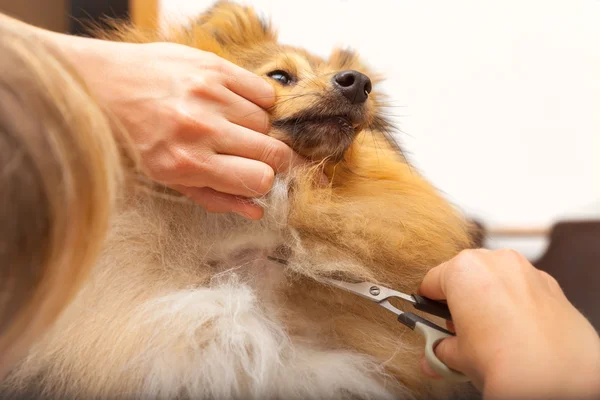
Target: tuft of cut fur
(187, 304)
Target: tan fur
(377, 220)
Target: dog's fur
(186, 304)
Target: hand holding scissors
(433, 334)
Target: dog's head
(322, 104)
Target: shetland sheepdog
(187, 304)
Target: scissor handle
(433, 307)
(433, 334)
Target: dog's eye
(281, 76)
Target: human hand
(517, 335)
(198, 120)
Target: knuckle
(216, 64)
(512, 257)
(171, 116)
(550, 279)
(186, 165)
(264, 122)
(204, 162)
(275, 154)
(465, 258)
(191, 127)
(183, 165)
(507, 252)
(200, 84)
(167, 167)
(203, 87)
(467, 265)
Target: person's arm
(517, 335)
(198, 121)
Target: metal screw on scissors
(433, 334)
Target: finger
(448, 353)
(248, 85)
(244, 113)
(433, 285)
(233, 175)
(450, 326)
(217, 202)
(242, 142)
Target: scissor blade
(368, 290)
(362, 288)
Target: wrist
(80, 52)
(98, 62)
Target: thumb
(447, 351)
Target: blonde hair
(60, 169)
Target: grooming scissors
(432, 333)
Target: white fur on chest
(226, 340)
(186, 304)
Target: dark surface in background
(92, 12)
(573, 259)
(47, 14)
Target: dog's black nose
(353, 85)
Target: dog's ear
(232, 24)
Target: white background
(498, 101)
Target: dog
(187, 304)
